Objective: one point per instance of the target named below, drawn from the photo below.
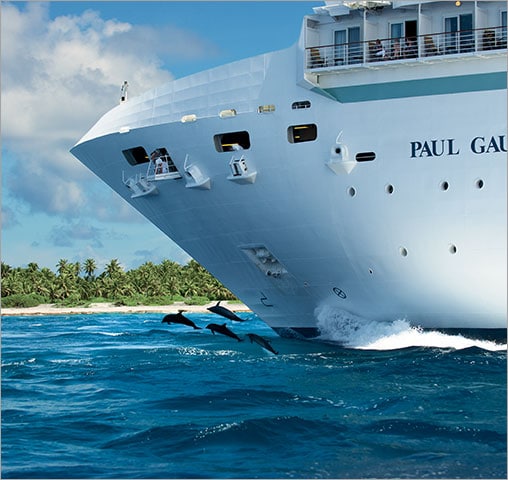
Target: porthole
(371, 271)
(452, 249)
(365, 156)
(389, 189)
(403, 251)
(352, 191)
(445, 186)
(479, 184)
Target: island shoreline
(103, 307)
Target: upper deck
(357, 35)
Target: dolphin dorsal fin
(218, 303)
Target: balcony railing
(395, 49)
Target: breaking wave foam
(356, 332)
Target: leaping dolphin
(261, 341)
(181, 319)
(224, 312)
(223, 330)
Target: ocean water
(125, 396)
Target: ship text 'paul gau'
(438, 148)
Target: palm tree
(6, 269)
(169, 273)
(32, 267)
(76, 269)
(66, 282)
(168, 278)
(62, 266)
(113, 268)
(146, 280)
(89, 268)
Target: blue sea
(126, 396)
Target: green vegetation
(74, 284)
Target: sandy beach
(51, 309)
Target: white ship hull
(305, 227)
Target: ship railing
(463, 42)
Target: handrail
(421, 46)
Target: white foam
(355, 332)
(109, 334)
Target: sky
(62, 65)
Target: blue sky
(62, 67)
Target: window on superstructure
(136, 155)
(396, 41)
(301, 104)
(502, 40)
(231, 141)
(396, 30)
(302, 133)
(348, 48)
(459, 34)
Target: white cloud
(58, 77)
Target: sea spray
(339, 326)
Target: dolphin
(224, 312)
(261, 341)
(223, 330)
(181, 319)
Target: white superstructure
(361, 170)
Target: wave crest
(340, 326)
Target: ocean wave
(187, 404)
(353, 331)
(159, 438)
(227, 398)
(278, 432)
(422, 429)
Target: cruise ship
(360, 172)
